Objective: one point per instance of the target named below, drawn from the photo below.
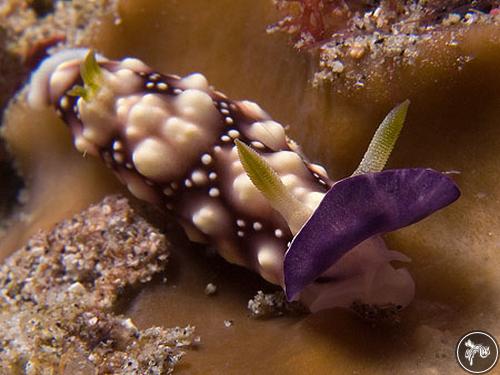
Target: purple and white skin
(171, 141)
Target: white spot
(150, 85)
(154, 159)
(64, 103)
(129, 166)
(206, 159)
(223, 105)
(258, 144)
(233, 133)
(257, 226)
(188, 182)
(224, 111)
(212, 176)
(154, 76)
(174, 185)
(229, 120)
(162, 86)
(177, 91)
(214, 192)
(278, 233)
(117, 145)
(225, 138)
(199, 177)
(240, 233)
(217, 149)
(240, 223)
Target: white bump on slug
(253, 110)
(246, 192)
(188, 183)
(154, 76)
(181, 132)
(212, 176)
(117, 145)
(124, 105)
(154, 100)
(134, 64)
(174, 185)
(224, 105)
(206, 159)
(139, 188)
(270, 259)
(240, 233)
(217, 149)
(199, 177)
(146, 117)
(291, 181)
(64, 102)
(278, 233)
(95, 136)
(150, 85)
(313, 199)
(154, 159)
(318, 170)
(233, 133)
(224, 111)
(225, 138)
(209, 219)
(195, 81)
(287, 162)
(123, 81)
(271, 133)
(257, 144)
(257, 226)
(214, 192)
(240, 223)
(162, 86)
(196, 105)
(229, 120)
(85, 147)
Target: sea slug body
(171, 141)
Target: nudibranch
(234, 180)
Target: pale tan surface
(453, 124)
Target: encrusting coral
(348, 35)
(57, 295)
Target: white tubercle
(155, 160)
(182, 134)
(196, 106)
(195, 81)
(253, 110)
(210, 218)
(285, 162)
(270, 133)
(135, 64)
(270, 258)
